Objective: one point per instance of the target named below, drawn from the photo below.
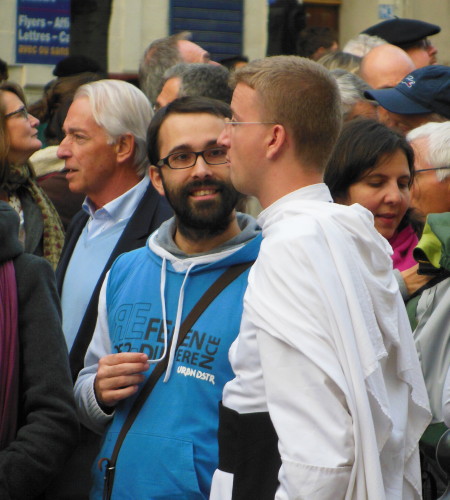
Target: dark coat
(47, 421)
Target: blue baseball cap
(425, 90)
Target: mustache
(207, 183)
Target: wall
(134, 24)
(139, 22)
(437, 12)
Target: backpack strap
(211, 293)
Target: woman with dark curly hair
(40, 230)
(374, 166)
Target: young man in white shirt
(328, 400)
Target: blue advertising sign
(42, 31)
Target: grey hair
(341, 60)
(176, 71)
(351, 88)
(120, 108)
(200, 79)
(160, 55)
(437, 136)
(362, 44)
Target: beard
(199, 220)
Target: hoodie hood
(434, 245)
(10, 246)
(161, 243)
(165, 252)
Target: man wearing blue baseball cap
(422, 96)
(411, 35)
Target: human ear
(124, 147)
(156, 178)
(276, 141)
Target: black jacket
(47, 421)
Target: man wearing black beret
(411, 35)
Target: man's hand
(118, 376)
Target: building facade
(135, 23)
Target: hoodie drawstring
(176, 329)
(162, 286)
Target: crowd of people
(229, 281)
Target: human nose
(34, 122)
(393, 195)
(432, 50)
(201, 168)
(63, 149)
(224, 137)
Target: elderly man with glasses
(430, 192)
(411, 35)
(429, 307)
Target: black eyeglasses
(427, 169)
(178, 161)
(23, 112)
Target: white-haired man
(428, 308)
(430, 193)
(105, 158)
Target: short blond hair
(302, 96)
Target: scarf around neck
(21, 176)
(403, 244)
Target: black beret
(402, 31)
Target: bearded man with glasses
(171, 450)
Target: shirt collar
(313, 192)
(121, 207)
